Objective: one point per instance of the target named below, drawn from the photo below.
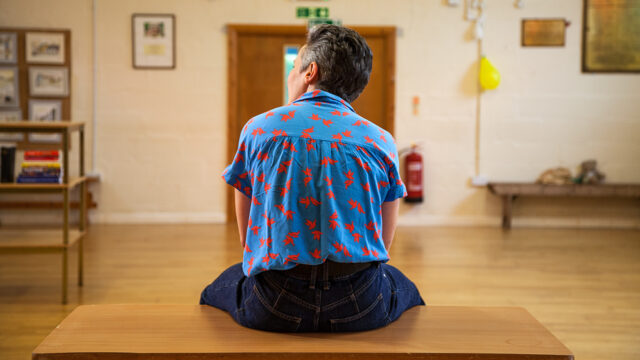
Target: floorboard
(583, 285)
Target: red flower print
(269, 221)
(256, 132)
(264, 241)
(310, 224)
(291, 258)
(289, 116)
(290, 236)
(315, 253)
(333, 224)
(285, 189)
(354, 204)
(349, 227)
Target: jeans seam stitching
(362, 314)
(288, 295)
(346, 299)
(274, 311)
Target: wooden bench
(202, 332)
(511, 191)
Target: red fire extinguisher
(413, 171)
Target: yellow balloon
(489, 75)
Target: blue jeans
(276, 301)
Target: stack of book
(41, 167)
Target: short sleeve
(396, 186)
(237, 173)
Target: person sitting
(317, 197)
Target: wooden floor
(583, 285)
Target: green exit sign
(313, 22)
(312, 12)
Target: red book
(42, 153)
(41, 158)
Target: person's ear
(311, 74)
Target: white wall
(161, 135)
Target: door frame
(234, 30)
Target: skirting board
(522, 221)
(158, 218)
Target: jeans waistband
(328, 268)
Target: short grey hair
(344, 60)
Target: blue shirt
(317, 174)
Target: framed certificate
(153, 37)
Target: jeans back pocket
(258, 313)
(373, 317)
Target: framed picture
(14, 115)
(153, 38)
(44, 47)
(610, 36)
(8, 48)
(9, 93)
(543, 32)
(48, 81)
(45, 111)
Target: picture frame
(48, 81)
(544, 32)
(11, 115)
(153, 41)
(8, 47)
(610, 34)
(9, 90)
(45, 111)
(44, 47)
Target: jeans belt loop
(312, 280)
(326, 275)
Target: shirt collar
(323, 96)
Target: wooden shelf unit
(46, 241)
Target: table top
(203, 332)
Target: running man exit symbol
(312, 12)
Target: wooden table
(202, 332)
(511, 191)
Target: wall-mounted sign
(313, 22)
(543, 32)
(306, 12)
(610, 36)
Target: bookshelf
(25, 241)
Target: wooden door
(256, 77)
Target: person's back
(316, 203)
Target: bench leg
(507, 201)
